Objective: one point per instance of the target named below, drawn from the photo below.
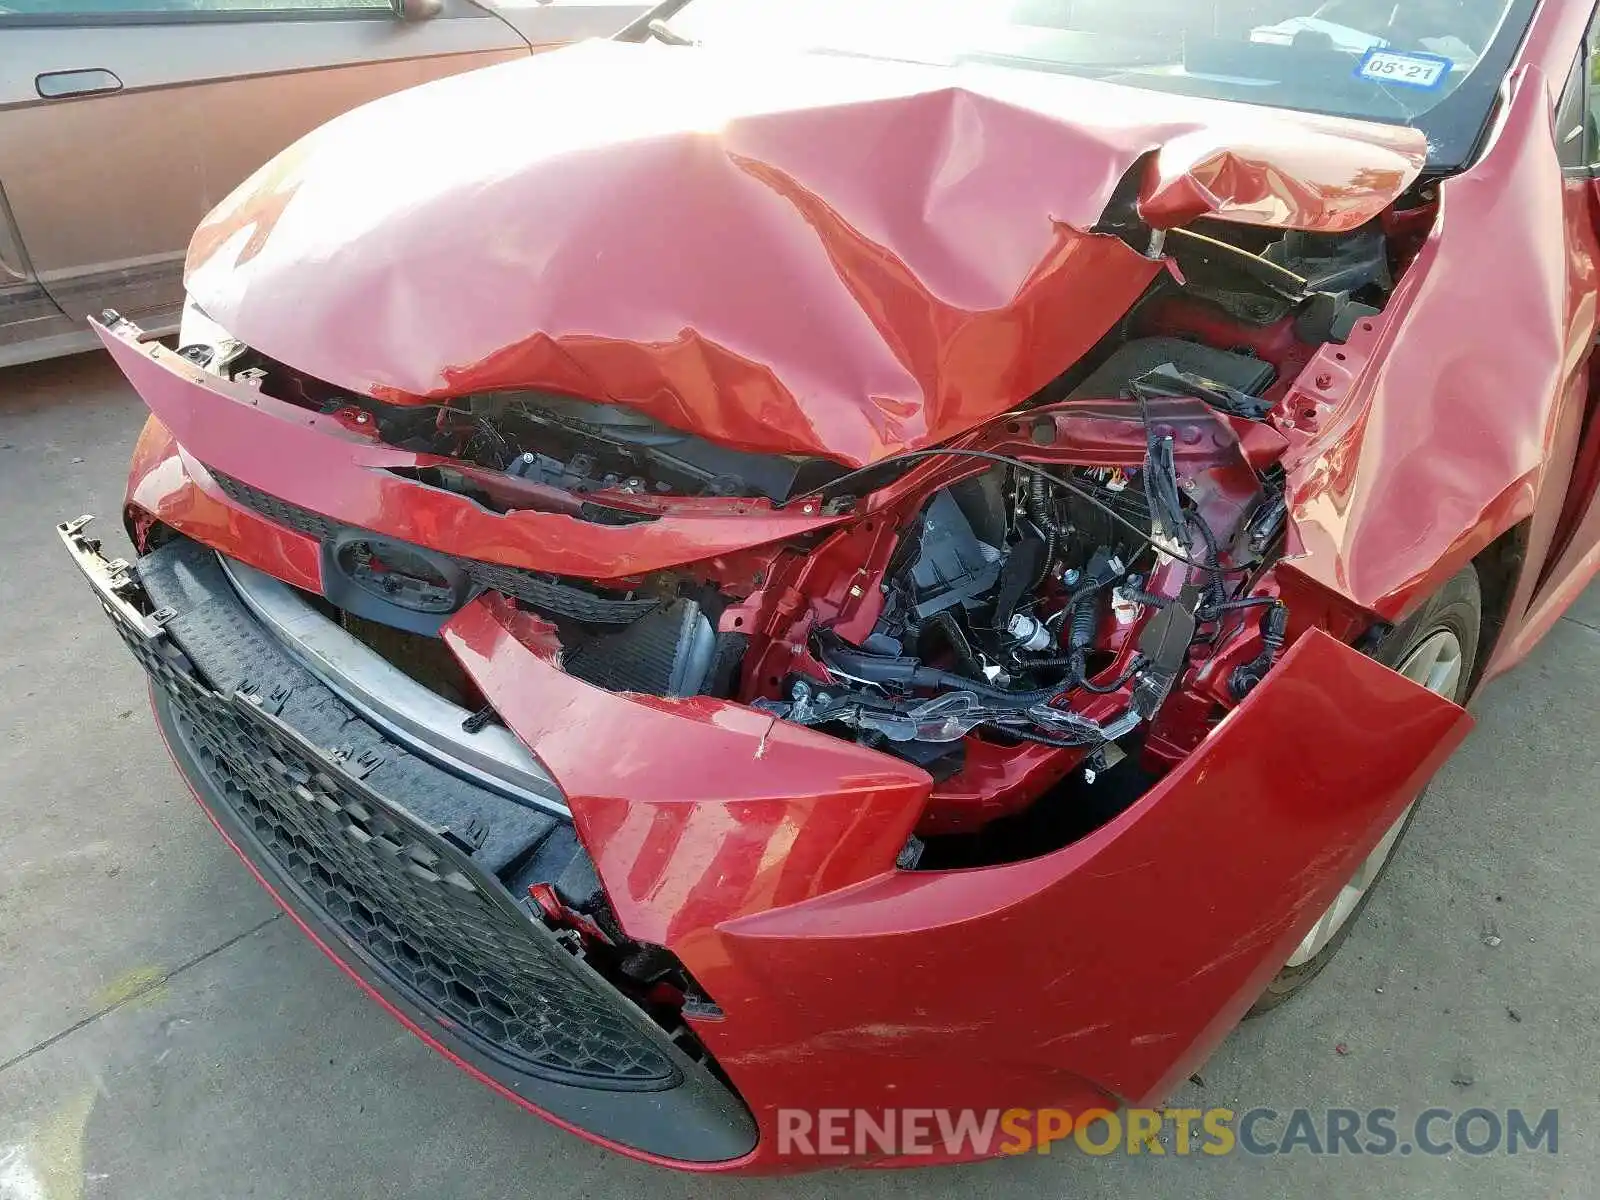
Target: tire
(1458, 608)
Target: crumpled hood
(788, 254)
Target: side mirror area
(416, 10)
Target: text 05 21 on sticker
(1407, 69)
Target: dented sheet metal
(789, 254)
(776, 813)
(1425, 448)
(712, 874)
(1305, 179)
(287, 451)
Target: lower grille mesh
(440, 931)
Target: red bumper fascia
(762, 854)
(1107, 970)
(313, 460)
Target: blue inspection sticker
(1406, 68)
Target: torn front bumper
(1101, 973)
(762, 855)
(214, 429)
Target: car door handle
(55, 85)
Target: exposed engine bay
(1081, 588)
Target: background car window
(1592, 75)
(1574, 118)
(87, 10)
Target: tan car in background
(123, 122)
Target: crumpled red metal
(775, 883)
(785, 254)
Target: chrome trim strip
(417, 718)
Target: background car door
(1575, 540)
(31, 326)
(122, 122)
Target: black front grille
(413, 878)
(438, 929)
(542, 592)
(279, 512)
(399, 889)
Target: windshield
(1436, 64)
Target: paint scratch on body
(761, 750)
(1076, 1033)
(875, 1035)
(1151, 1039)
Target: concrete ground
(166, 1034)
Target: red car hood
(803, 255)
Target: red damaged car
(836, 555)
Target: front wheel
(1437, 647)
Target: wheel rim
(1436, 665)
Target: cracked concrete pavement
(167, 1036)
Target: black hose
(1045, 739)
(1076, 664)
(1215, 585)
(1248, 602)
(1078, 597)
(1148, 599)
(1121, 681)
(1274, 631)
(1085, 620)
(1039, 505)
(1051, 664)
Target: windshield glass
(1432, 63)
